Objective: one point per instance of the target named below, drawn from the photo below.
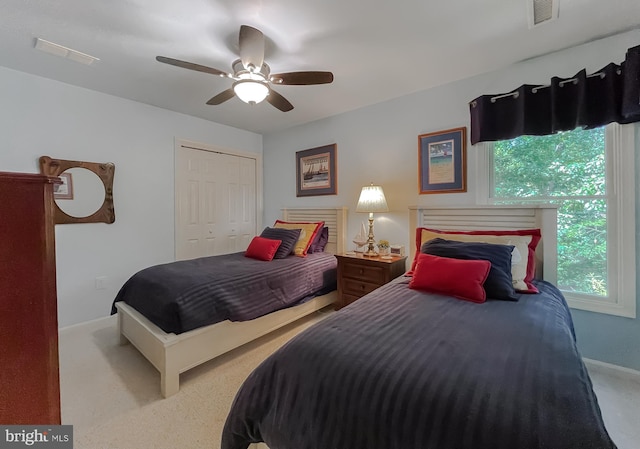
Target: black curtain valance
(611, 94)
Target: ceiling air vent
(542, 11)
(64, 52)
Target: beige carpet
(111, 394)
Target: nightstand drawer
(359, 275)
(364, 272)
(348, 299)
(358, 287)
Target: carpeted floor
(111, 394)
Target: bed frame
(496, 217)
(173, 354)
(489, 217)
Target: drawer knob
(361, 271)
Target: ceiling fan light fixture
(250, 91)
(252, 76)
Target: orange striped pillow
(308, 231)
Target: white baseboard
(620, 369)
(84, 323)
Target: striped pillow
(289, 238)
(308, 231)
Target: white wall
(380, 144)
(40, 117)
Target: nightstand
(359, 275)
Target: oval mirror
(85, 191)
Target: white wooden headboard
(467, 218)
(334, 218)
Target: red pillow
(456, 277)
(262, 248)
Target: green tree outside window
(567, 168)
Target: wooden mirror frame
(105, 171)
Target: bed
(402, 368)
(172, 353)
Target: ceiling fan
(252, 76)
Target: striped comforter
(182, 296)
(402, 369)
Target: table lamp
(371, 200)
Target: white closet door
(188, 193)
(215, 203)
(209, 206)
(247, 220)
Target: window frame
(621, 217)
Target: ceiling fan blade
(251, 43)
(222, 97)
(277, 100)
(302, 78)
(191, 66)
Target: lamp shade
(372, 200)
(250, 91)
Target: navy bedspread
(181, 296)
(402, 369)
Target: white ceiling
(377, 49)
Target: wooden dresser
(29, 374)
(359, 275)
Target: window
(589, 175)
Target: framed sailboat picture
(316, 172)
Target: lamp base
(370, 253)
(371, 242)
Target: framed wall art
(64, 191)
(316, 171)
(442, 161)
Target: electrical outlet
(101, 283)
